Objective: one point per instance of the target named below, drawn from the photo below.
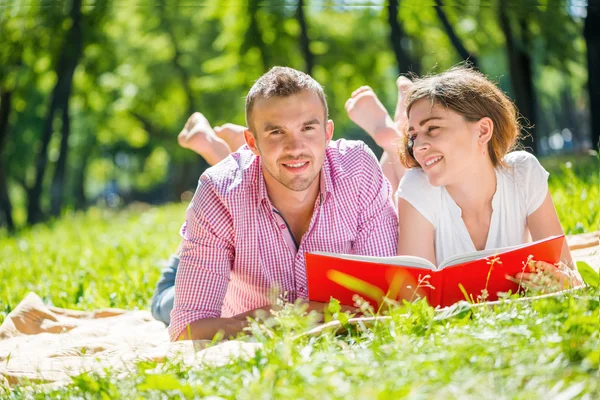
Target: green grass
(542, 349)
(575, 186)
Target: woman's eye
(432, 128)
(410, 144)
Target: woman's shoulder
(519, 157)
(529, 177)
(524, 165)
(424, 197)
(415, 178)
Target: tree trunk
(521, 75)
(309, 57)
(80, 172)
(454, 39)
(255, 33)
(591, 32)
(397, 37)
(67, 63)
(176, 60)
(57, 190)
(5, 203)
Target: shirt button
(282, 226)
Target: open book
(406, 277)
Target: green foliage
(590, 277)
(575, 187)
(145, 69)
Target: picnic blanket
(44, 344)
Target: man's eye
(277, 132)
(309, 128)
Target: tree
(397, 38)
(521, 69)
(5, 203)
(309, 57)
(591, 33)
(454, 39)
(254, 36)
(69, 57)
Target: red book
(341, 276)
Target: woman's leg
(365, 109)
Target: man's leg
(213, 145)
(162, 300)
(198, 136)
(232, 134)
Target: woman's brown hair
(470, 94)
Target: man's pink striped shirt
(235, 251)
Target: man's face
(290, 135)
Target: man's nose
(294, 142)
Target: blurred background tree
(94, 92)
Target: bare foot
(232, 134)
(198, 136)
(400, 118)
(366, 111)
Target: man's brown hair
(282, 82)
(470, 94)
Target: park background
(93, 186)
(94, 93)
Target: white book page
(476, 255)
(403, 261)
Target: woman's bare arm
(415, 233)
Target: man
(255, 214)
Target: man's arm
(378, 222)
(206, 258)
(207, 328)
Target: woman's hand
(547, 277)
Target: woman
(466, 191)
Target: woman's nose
(420, 143)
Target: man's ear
(328, 131)
(251, 141)
(485, 129)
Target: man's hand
(321, 307)
(262, 313)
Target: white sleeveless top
(521, 187)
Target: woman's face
(448, 148)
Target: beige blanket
(45, 344)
